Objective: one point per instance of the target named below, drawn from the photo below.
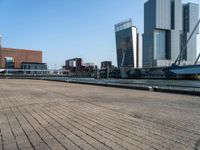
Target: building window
(9, 63)
(159, 44)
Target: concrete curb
(145, 87)
(172, 89)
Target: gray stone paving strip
(107, 126)
(165, 122)
(47, 130)
(73, 133)
(137, 125)
(37, 134)
(11, 129)
(109, 143)
(54, 137)
(89, 130)
(60, 121)
(123, 122)
(10, 139)
(68, 141)
(163, 126)
(1, 140)
(141, 144)
(25, 134)
(31, 146)
(86, 144)
(179, 124)
(113, 125)
(148, 118)
(95, 142)
(87, 121)
(192, 139)
(36, 129)
(44, 115)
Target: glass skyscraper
(127, 44)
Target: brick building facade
(19, 56)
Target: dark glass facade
(126, 44)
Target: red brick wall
(20, 55)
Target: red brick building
(18, 56)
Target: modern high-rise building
(127, 44)
(167, 26)
(190, 18)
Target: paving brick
(46, 115)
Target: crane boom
(197, 59)
(185, 46)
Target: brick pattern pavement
(48, 115)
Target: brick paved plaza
(54, 115)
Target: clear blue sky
(67, 28)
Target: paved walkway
(53, 115)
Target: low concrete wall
(167, 89)
(147, 87)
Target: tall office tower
(190, 19)
(127, 44)
(165, 22)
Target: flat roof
(32, 63)
(18, 49)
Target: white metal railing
(30, 71)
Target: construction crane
(189, 69)
(178, 60)
(197, 60)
